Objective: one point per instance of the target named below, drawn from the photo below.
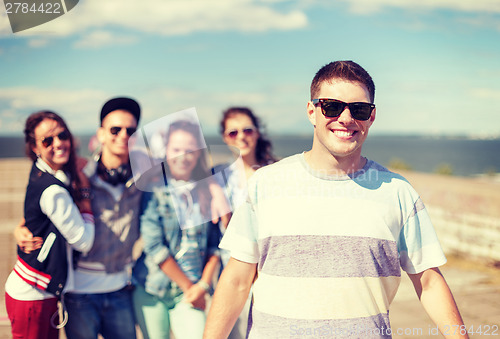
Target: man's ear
(311, 113)
(101, 135)
(372, 117)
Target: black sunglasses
(46, 142)
(247, 131)
(332, 108)
(115, 130)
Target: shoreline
(463, 157)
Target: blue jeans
(110, 314)
(157, 317)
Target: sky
(435, 63)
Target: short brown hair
(344, 70)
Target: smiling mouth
(344, 133)
(60, 152)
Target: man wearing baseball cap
(101, 302)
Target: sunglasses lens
(131, 130)
(46, 142)
(63, 135)
(232, 134)
(332, 109)
(361, 111)
(248, 131)
(115, 130)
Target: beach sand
(476, 285)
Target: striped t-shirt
(329, 249)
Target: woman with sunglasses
(56, 211)
(240, 128)
(175, 271)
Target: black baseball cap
(123, 103)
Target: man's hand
(24, 238)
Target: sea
(459, 156)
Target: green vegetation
(399, 164)
(444, 169)
(491, 172)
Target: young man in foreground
(328, 232)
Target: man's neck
(111, 161)
(334, 165)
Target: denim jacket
(163, 237)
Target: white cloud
(282, 107)
(173, 17)
(369, 6)
(162, 101)
(486, 93)
(78, 107)
(38, 43)
(8, 114)
(103, 38)
(485, 20)
(41, 97)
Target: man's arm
(438, 302)
(229, 298)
